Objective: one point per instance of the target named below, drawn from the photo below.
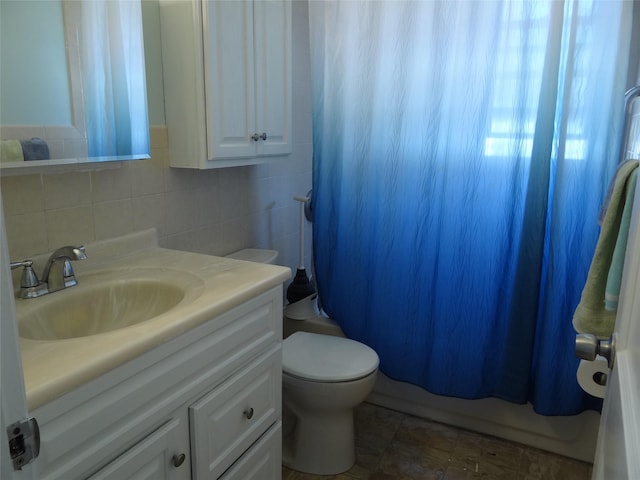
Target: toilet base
(321, 445)
(318, 423)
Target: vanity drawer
(263, 461)
(229, 419)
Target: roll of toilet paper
(592, 376)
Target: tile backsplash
(206, 211)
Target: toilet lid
(325, 358)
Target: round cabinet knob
(263, 136)
(178, 460)
(255, 137)
(248, 413)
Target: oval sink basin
(90, 310)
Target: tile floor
(395, 446)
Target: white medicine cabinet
(227, 81)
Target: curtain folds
(461, 151)
(114, 83)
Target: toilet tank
(302, 316)
(258, 255)
(305, 316)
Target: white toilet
(324, 377)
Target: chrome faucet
(58, 273)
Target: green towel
(590, 315)
(614, 279)
(11, 151)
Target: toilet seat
(325, 358)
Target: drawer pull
(248, 413)
(178, 460)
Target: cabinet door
(157, 457)
(230, 418)
(229, 78)
(247, 77)
(272, 47)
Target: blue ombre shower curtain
(461, 153)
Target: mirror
(72, 82)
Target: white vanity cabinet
(203, 405)
(227, 81)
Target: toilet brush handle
(302, 201)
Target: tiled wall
(63, 141)
(212, 211)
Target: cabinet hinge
(24, 442)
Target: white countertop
(214, 285)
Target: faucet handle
(23, 263)
(80, 253)
(29, 277)
(71, 252)
(30, 285)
